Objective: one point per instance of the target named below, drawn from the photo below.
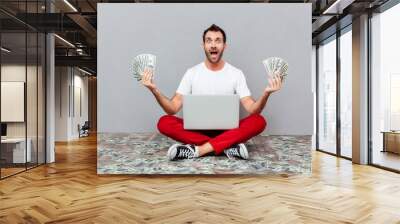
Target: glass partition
(22, 77)
(14, 153)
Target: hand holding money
(147, 79)
(141, 62)
(276, 65)
(274, 83)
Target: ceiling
(76, 22)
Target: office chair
(84, 130)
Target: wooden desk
(391, 141)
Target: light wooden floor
(69, 191)
(387, 159)
(10, 171)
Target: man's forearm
(259, 105)
(164, 102)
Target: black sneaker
(178, 151)
(239, 151)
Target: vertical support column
(338, 98)
(314, 93)
(360, 90)
(50, 92)
(316, 97)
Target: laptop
(210, 112)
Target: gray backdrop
(173, 32)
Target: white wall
(12, 101)
(79, 117)
(14, 72)
(61, 124)
(67, 116)
(254, 32)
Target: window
(346, 93)
(385, 89)
(327, 96)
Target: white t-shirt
(199, 80)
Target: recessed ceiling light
(64, 40)
(337, 7)
(70, 5)
(5, 50)
(84, 71)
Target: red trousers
(249, 127)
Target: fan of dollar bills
(141, 62)
(275, 65)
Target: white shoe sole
(172, 151)
(243, 151)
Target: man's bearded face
(214, 46)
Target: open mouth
(214, 52)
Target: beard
(210, 57)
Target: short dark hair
(214, 28)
